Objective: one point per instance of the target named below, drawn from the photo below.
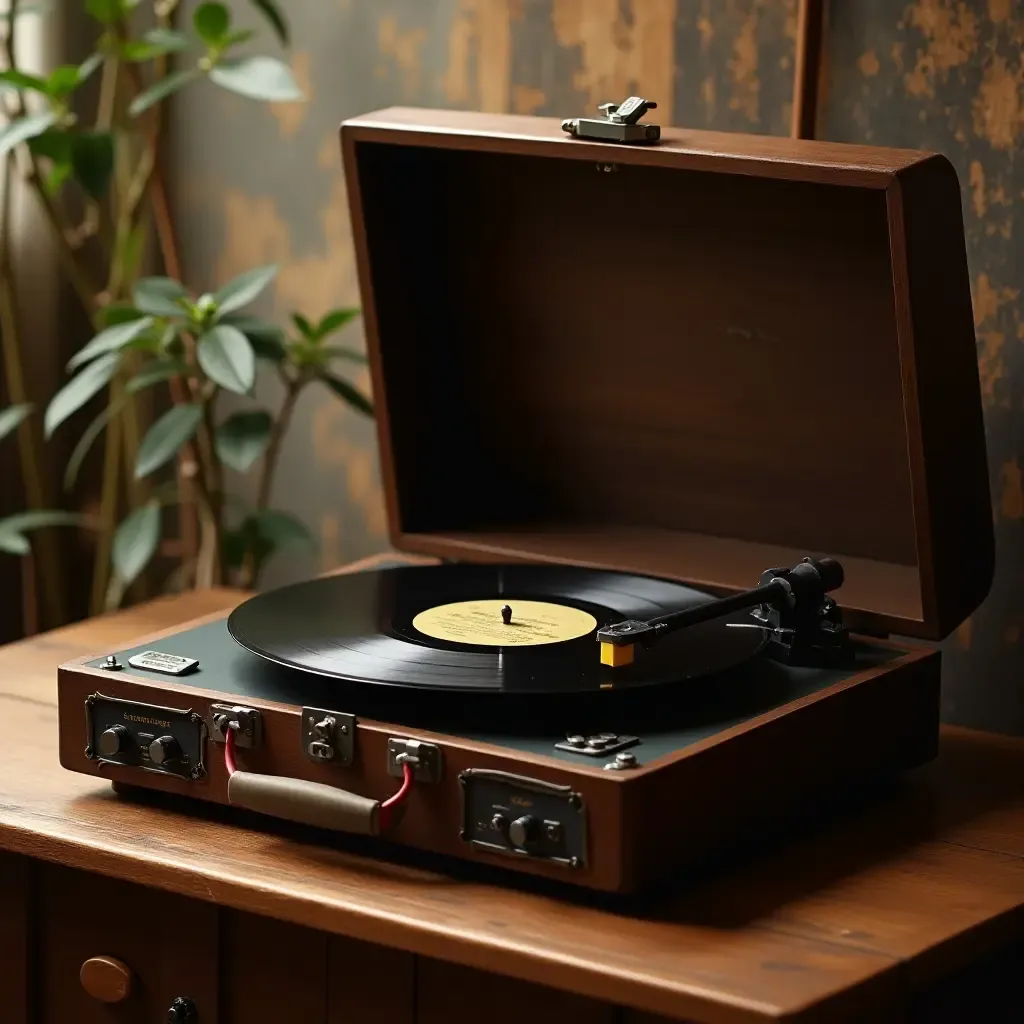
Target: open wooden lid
(695, 360)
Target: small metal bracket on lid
(620, 123)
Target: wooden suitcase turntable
(641, 370)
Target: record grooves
(359, 628)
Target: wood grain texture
(849, 915)
(168, 944)
(17, 981)
(550, 433)
(450, 994)
(367, 982)
(271, 971)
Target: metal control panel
(523, 817)
(169, 741)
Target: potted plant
(98, 179)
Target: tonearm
(803, 623)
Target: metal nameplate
(168, 664)
(523, 817)
(125, 732)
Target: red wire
(388, 806)
(229, 752)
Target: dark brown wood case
(694, 360)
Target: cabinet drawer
(165, 943)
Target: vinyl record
(441, 628)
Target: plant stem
(293, 387)
(108, 94)
(108, 507)
(167, 240)
(29, 444)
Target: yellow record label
(480, 622)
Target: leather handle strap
(308, 803)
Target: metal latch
(246, 722)
(424, 758)
(328, 736)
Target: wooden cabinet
(168, 944)
(237, 968)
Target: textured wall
(948, 77)
(258, 185)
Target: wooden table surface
(837, 922)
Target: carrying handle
(311, 803)
(308, 803)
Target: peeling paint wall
(948, 76)
(258, 184)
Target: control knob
(182, 1011)
(164, 749)
(523, 831)
(115, 740)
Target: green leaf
(105, 11)
(259, 78)
(13, 416)
(165, 437)
(15, 132)
(227, 358)
(263, 533)
(39, 519)
(155, 43)
(347, 392)
(88, 66)
(340, 352)
(159, 370)
(334, 321)
(273, 14)
(267, 340)
(86, 441)
(242, 438)
(136, 541)
(211, 22)
(161, 90)
(54, 144)
(280, 529)
(118, 313)
(240, 35)
(54, 181)
(23, 80)
(160, 296)
(110, 340)
(244, 288)
(14, 543)
(13, 528)
(92, 160)
(62, 80)
(304, 327)
(78, 391)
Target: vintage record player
(613, 383)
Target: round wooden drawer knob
(106, 979)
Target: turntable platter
(483, 628)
